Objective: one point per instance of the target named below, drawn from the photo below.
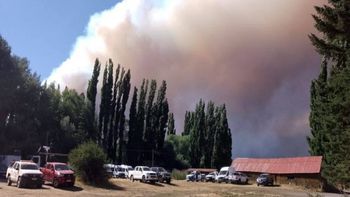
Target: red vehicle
(58, 174)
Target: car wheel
(168, 181)
(132, 178)
(239, 181)
(9, 182)
(258, 184)
(55, 183)
(19, 182)
(161, 180)
(246, 181)
(39, 185)
(143, 179)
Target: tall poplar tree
(125, 90)
(171, 125)
(91, 101)
(134, 135)
(161, 110)
(149, 132)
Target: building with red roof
(292, 170)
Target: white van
(109, 168)
(224, 174)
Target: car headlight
(59, 174)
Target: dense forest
(33, 114)
(330, 93)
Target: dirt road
(122, 187)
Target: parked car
(264, 179)
(24, 173)
(144, 174)
(127, 169)
(162, 174)
(195, 176)
(109, 169)
(211, 177)
(5, 161)
(238, 177)
(119, 172)
(224, 173)
(58, 174)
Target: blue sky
(45, 31)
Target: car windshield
(161, 170)
(264, 175)
(121, 169)
(223, 172)
(29, 167)
(146, 169)
(60, 167)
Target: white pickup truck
(144, 174)
(24, 173)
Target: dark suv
(264, 179)
(162, 174)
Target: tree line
(34, 114)
(330, 93)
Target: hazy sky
(252, 55)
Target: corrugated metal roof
(203, 170)
(291, 165)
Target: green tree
(91, 92)
(329, 117)
(105, 106)
(134, 135)
(160, 113)
(87, 160)
(209, 133)
(149, 132)
(125, 90)
(171, 125)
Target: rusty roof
(204, 170)
(290, 165)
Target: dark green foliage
(209, 133)
(197, 135)
(222, 140)
(150, 133)
(171, 125)
(160, 119)
(187, 122)
(87, 161)
(178, 175)
(134, 135)
(181, 146)
(209, 136)
(125, 90)
(330, 97)
(91, 125)
(112, 136)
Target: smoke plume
(252, 55)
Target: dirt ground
(122, 187)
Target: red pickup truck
(58, 174)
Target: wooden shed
(301, 171)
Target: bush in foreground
(178, 174)
(87, 160)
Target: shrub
(87, 160)
(178, 174)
